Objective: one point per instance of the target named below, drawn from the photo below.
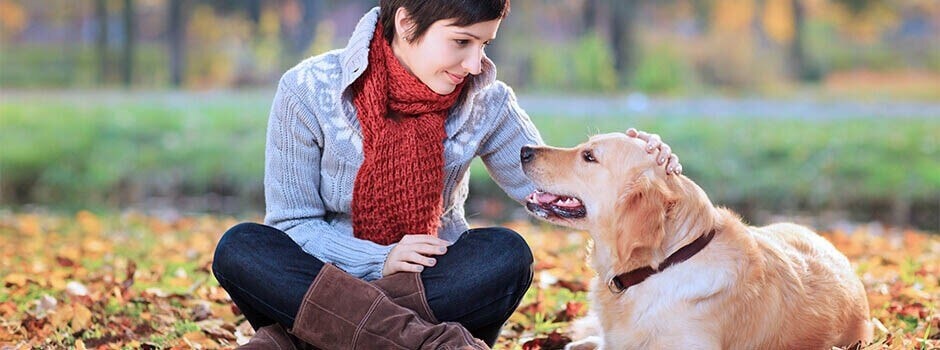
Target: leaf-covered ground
(135, 281)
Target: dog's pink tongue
(544, 197)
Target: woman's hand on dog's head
(413, 253)
(665, 156)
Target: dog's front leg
(587, 333)
(590, 343)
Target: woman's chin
(443, 89)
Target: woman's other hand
(413, 253)
(654, 143)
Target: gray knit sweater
(314, 149)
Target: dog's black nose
(527, 154)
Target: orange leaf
(15, 279)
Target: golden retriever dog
(675, 272)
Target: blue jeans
(479, 282)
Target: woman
(365, 243)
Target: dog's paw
(589, 343)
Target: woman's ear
(642, 210)
(404, 26)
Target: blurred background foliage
(582, 45)
(822, 108)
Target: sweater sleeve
(500, 150)
(291, 190)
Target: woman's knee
(520, 254)
(513, 262)
(237, 239)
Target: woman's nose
(473, 63)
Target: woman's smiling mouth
(456, 79)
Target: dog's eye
(588, 156)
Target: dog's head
(610, 186)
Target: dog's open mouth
(547, 205)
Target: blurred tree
(858, 6)
(623, 36)
(251, 8)
(758, 27)
(298, 26)
(127, 58)
(801, 68)
(176, 39)
(589, 17)
(101, 39)
(13, 19)
(703, 14)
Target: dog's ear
(642, 208)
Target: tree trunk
(623, 37)
(253, 8)
(703, 14)
(801, 69)
(757, 24)
(589, 17)
(101, 40)
(176, 36)
(297, 35)
(127, 58)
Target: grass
(107, 149)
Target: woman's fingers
(413, 253)
(416, 258)
(403, 266)
(665, 154)
(653, 143)
(426, 239)
(673, 167)
(427, 249)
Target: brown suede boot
(343, 312)
(407, 290)
(270, 337)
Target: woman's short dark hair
(423, 13)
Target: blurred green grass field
(90, 150)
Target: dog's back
(822, 300)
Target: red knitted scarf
(399, 188)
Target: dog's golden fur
(775, 287)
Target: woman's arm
(500, 150)
(291, 189)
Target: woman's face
(445, 54)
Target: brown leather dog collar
(625, 280)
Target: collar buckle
(615, 286)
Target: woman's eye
(588, 156)
(462, 42)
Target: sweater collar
(354, 58)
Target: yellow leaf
(60, 317)
(88, 222)
(200, 338)
(15, 279)
(94, 246)
(29, 225)
(81, 317)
